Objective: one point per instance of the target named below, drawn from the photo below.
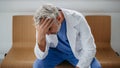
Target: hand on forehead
(47, 19)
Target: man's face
(54, 28)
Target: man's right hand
(42, 29)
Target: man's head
(51, 12)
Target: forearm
(39, 53)
(42, 43)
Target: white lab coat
(79, 36)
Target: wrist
(41, 47)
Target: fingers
(46, 23)
(42, 21)
(49, 23)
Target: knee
(99, 66)
(37, 64)
(95, 64)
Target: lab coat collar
(71, 27)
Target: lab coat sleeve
(88, 51)
(38, 53)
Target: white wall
(8, 8)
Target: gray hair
(47, 10)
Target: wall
(8, 8)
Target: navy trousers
(55, 57)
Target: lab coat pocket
(78, 46)
(78, 43)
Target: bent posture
(63, 34)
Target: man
(63, 34)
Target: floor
(64, 64)
(1, 58)
(0, 65)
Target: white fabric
(79, 36)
